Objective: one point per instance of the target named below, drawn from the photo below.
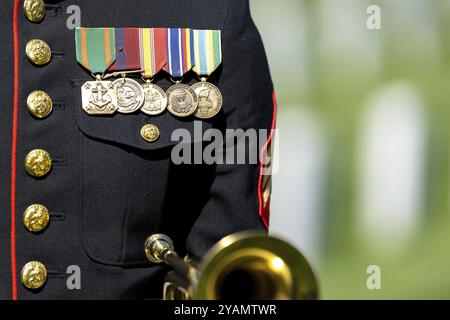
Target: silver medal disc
(182, 100)
(155, 99)
(130, 96)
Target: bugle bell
(245, 266)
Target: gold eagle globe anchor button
(39, 104)
(38, 52)
(33, 275)
(150, 133)
(34, 10)
(36, 218)
(38, 163)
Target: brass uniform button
(34, 275)
(38, 52)
(34, 10)
(39, 104)
(38, 163)
(36, 218)
(150, 133)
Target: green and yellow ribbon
(96, 48)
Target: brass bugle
(241, 266)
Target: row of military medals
(125, 95)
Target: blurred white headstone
(390, 179)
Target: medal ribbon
(180, 57)
(153, 48)
(96, 49)
(127, 48)
(207, 51)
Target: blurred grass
(420, 274)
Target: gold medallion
(99, 97)
(182, 100)
(155, 99)
(210, 100)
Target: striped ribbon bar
(127, 50)
(207, 51)
(96, 49)
(180, 55)
(153, 48)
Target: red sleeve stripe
(264, 209)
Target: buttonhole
(54, 274)
(59, 161)
(57, 216)
(59, 54)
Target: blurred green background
(364, 161)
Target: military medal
(208, 57)
(99, 97)
(182, 100)
(155, 99)
(96, 52)
(210, 99)
(130, 95)
(153, 59)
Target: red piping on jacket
(265, 214)
(14, 149)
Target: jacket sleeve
(237, 201)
